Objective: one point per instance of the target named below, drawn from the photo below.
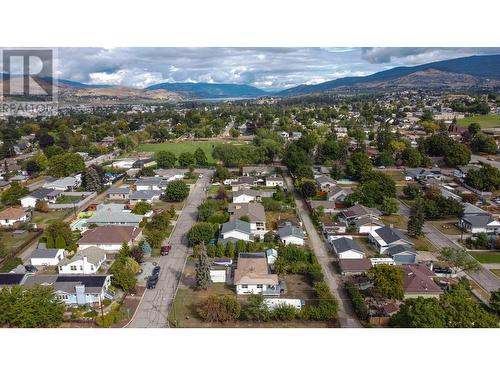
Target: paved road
(484, 277)
(482, 159)
(152, 312)
(347, 317)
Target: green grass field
(486, 121)
(186, 146)
(486, 256)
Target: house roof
(62, 182)
(119, 190)
(253, 269)
(249, 192)
(111, 214)
(337, 191)
(418, 279)
(355, 265)
(472, 209)
(238, 225)
(391, 235)
(360, 210)
(368, 220)
(66, 283)
(11, 278)
(144, 194)
(151, 181)
(93, 253)
(244, 180)
(254, 211)
(41, 193)
(12, 213)
(343, 244)
(479, 220)
(325, 180)
(109, 234)
(330, 205)
(290, 231)
(42, 253)
(400, 249)
(287, 222)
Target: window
(91, 267)
(81, 268)
(72, 268)
(259, 286)
(244, 286)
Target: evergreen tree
(230, 250)
(50, 241)
(60, 242)
(220, 250)
(203, 280)
(91, 180)
(146, 248)
(416, 220)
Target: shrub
(284, 312)
(219, 309)
(358, 301)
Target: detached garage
(218, 274)
(402, 254)
(46, 257)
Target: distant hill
(481, 71)
(210, 90)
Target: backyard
(486, 256)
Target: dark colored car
(165, 250)
(30, 268)
(152, 281)
(156, 271)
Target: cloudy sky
(266, 68)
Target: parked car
(156, 271)
(165, 250)
(381, 167)
(152, 281)
(30, 268)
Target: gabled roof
(290, 231)
(144, 194)
(418, 279)
(400, 249)
(252, 269)
(237, 225)
(41, 253)
(11, 278)
(360, 210)
(355, 265)
(343, 244)
(119, 190)
(367, 220)
(109, 234)
(12, 213)
(67, 284)
(93, 253)
(254, 211)
(478, 220)
(41, 193)
(325, 179)
(391, 235)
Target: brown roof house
(418, 281)
(13, 215)
(110, 237)
(252, 275)
(255, 214)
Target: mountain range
(460, 73)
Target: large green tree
(176, 191)
(203, 279)
(388, 281)
(165, 159)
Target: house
(42, 256)
(252, 275)
(75, 289)
(42, 194)
(63, 184)
(337, 194)
(418, 281)
(357, 212)
(357, 266)
(477, 220)
(423, 174)
(274, 181)
(251, 195)
(255, 214)
(118, 193)
(272, 256)
(291, 235)
(329, 207)
(347, 248)
(114, 214)
(13, 215)
(244, 182)
(402, 254)
(110, 237)
(385, 237)
(257, 170)
(4, 185)
(330, 227)
(235, 230)
(461, 171)
(325, 183)
(151, 183)
(148, 196)
(287, 222)
(367, 224)
(86, 261)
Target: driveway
(153, 309)
(347, 317)
(484, 277)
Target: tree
(62, 229)
(495, 302)
(374, 188)
(412, 191)
(457, 154)
(207, 209)
(146, 248)
(219, 309)
(186, 159)
(32, 307)
(91, 180)
(141, 208)
(230, 251)
(200, 157)
(66, 164)
(13, 194)
(412, 157)
(60, 242)
(176, 191)
(240, 246)
(385, 158)
(358, 165)
(388, 281)
(389, 206)
(485, 179)
(420, 312)
(474, 128)
(200, 232)
(458, 259)
(146, 172)
(165, 159)
(41, 206)
(235, 133)
(308, 188)
(484, 143)
(124, 269)
(203, 279)
(416, 220)
(255, 309)
(221, 173)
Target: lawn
(369, 250)
(446, 227)
(272, 217)
(423, 244)
(486, 256)
(398, 221)
(486, 121)
(397, 176)
(496, 272)
(186, 146)
(45, 218)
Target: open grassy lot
(186, 146)
(398, 221)
(45, 218)
(423, 244)
(486, 256)
(446, 227)
(397, 176)
(272, 217)
(486, 121)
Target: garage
(218, 274)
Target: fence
(61, 206)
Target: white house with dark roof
(347, 248)
(42, 194)
(477, 220)
(385, 237)
(148, 196)
(63, 184)
(402, 254)
(118, 193)
(325, 183)
(42, 256)
(236, 230)
(86, 262)
(291, 235)
(274, 181)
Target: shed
(218, 274)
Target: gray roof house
(236, 230)
(477, 220)
(119, 193)
(359, 211)
(385, 237)
(113, 214)
(291, 235)
(144, 196)
(402, 254)
(325, 183)
(347, 248)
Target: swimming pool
(80, 225)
